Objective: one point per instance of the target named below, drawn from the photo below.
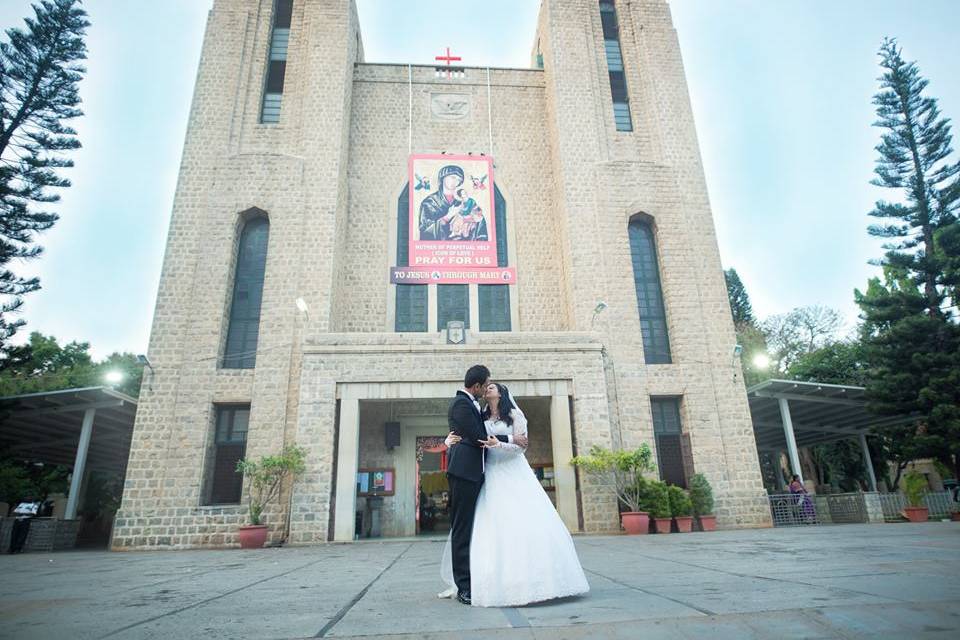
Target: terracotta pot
(635, 522)
(708, 523)
(662, 525)
(252, 536)
(916, 514)
(955, 516)
(684, 523)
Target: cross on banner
(448, 58)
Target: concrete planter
(662, 525)
(708, 523)
(916, 514)
(684, 523)
(253, 536)
(635, 522)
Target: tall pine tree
(39, 72)
(749, 335)
(739, 300)
(911, 339)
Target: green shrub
(915, 486)
(657, 499)
(622, 469)
(265, 476)
(701, 495)
(680, 504)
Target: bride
(513, 512)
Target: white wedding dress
(520, 551)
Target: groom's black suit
(465, 475)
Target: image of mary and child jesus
(449, 213)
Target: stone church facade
(276, 322)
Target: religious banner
(453, 231)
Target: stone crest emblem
(456, 334)
(450, 106)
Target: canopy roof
(46, 426)
(820, 412)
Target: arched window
(494, 299)
(646, 280)
(244, 328)
(411, 309)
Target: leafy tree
(39, 73)
(22, 480)
(14, 482)
(43, 365)
(910, 336)
(801, 331)
(840, 362)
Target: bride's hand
(452, 439)
(490, 443)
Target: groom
(465, 470)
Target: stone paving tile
(856, 581)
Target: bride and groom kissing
(507, 546)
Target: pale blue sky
(781, 94)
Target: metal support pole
(791, 439)
(80, 461)
(868, 462)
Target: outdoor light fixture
(761, 361)
(737, 350)
(597, 310)
(114, 377)
(142, 360)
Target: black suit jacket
(465, 459)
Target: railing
(790, 510)
(845, 508)
(940, 505)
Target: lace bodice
(501, 428)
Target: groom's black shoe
(463, 597)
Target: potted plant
(681, 508)
(701, 496)
(659, 505)
(914, 488)
(264, 478)
(624, 470)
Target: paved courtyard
(853, 581)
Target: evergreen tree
(914, 159)
(911, 340)
(739, 300)
(39, 73)
(749, 335)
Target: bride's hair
(504, 406)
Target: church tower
(278, 320)
(639, 236)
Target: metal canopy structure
(88, 428)
(788, 414)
